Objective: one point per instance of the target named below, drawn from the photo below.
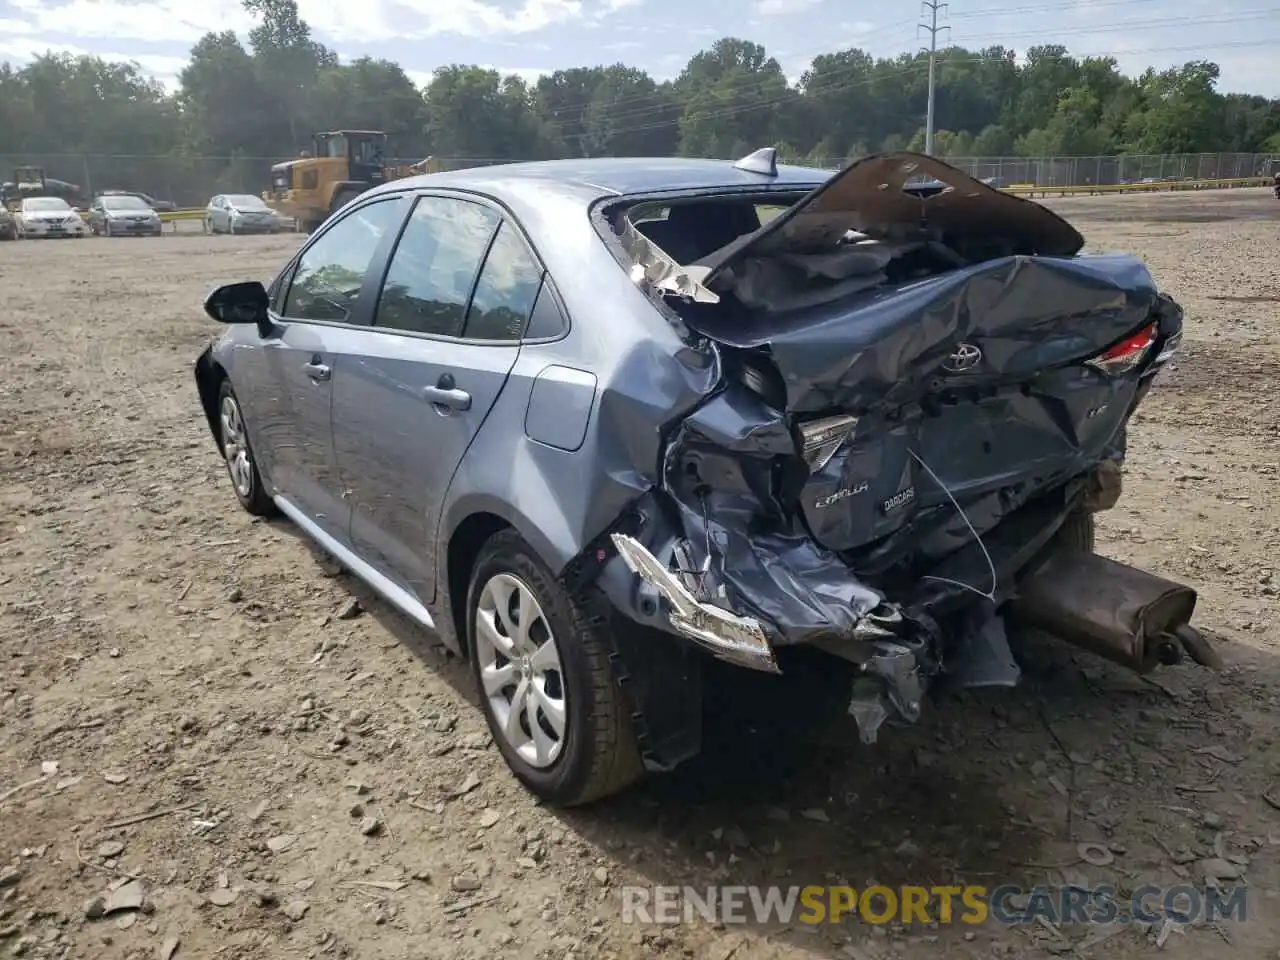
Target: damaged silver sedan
(595, 420)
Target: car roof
(597, 177)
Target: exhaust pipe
(1127, 615)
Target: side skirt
(397, 596)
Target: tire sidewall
(507, 553)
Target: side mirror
(238, 303)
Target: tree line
(263, 99)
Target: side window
(326, 283)
(506, 290)
(434, 266)
(547, 319)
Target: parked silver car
(48, 217)
(115, 215)
(240, 213)
(593, 420)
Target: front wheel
(242, 468)
(541, 663)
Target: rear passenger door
(458, 290)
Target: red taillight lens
(1126, 354)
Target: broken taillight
(1127, 354)
(820, 439)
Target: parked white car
(48, 217)
(240, 213)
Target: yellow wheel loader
(344, 164)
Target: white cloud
(468, 18)
(529, 75)
(163, 69)
(783, 8)
(151, 21)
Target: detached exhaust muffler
(1127, 615)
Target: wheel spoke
(546, 657)
(497, 678)
(542, 744)
(529, 614)
(488, 632)
(553, 710)
(519, 702)
(502, 605)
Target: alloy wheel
(235, 447)
(519, 667)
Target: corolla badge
(964, 357)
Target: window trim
(506, 216)
(284, 279)
(417, 198)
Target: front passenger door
(320, 310)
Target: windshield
(44, 204)
(123, 203)
(246, 201)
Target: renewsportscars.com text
(1007, 904)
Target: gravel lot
(175, 659)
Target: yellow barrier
(194, 213)
(1031, 190)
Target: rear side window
(506, 290)
(433, 268)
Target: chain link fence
(191, 181)
(1131, 168)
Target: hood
(48, 214)
(903, 192)
(131, 212)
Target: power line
(933, 7)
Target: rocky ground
(213, 744)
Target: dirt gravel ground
(192, 699)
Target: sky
(532, 37)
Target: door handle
(449, 397)
(317, 371)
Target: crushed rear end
(920, 385)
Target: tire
(208, 226)
(1078, 532)
(237, 453)
(595, 753)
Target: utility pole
(930, 8)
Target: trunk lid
(929, 405)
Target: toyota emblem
(964, 357)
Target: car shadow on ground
(991, 787)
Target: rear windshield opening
(690, 230)
(812, 261)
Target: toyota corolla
(595, 421)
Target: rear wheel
(541, 661)
(242, 468)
